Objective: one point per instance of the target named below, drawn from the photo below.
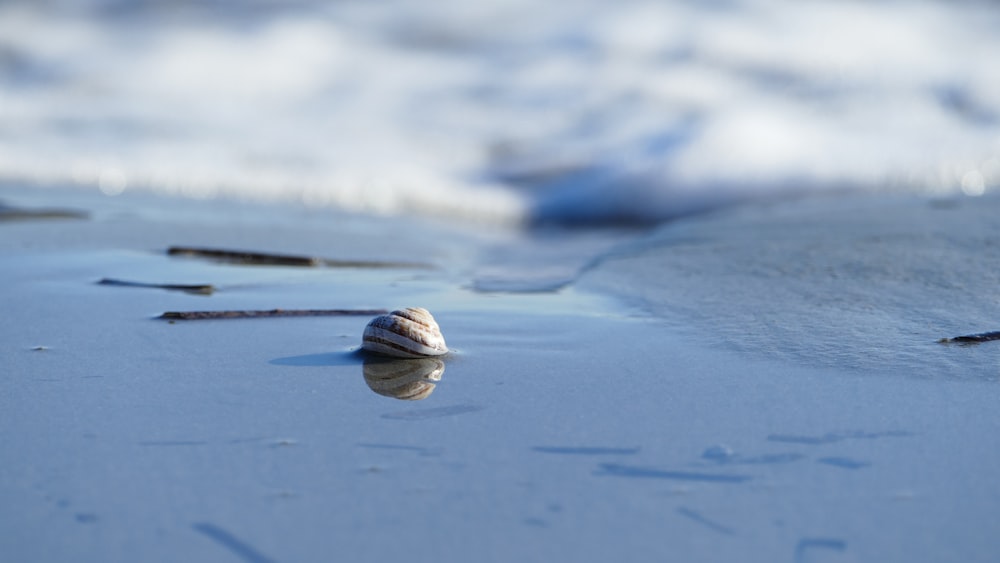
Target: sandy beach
(674, 399)
(719, 281)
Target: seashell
(408, 380)
(405, 333)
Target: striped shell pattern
(409, 380)
(405, 333)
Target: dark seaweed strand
(242, 257)
(8, 214)
(204, 289)
(973, 338)
(205, 315)
(268, 259)
(374, 264)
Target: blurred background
(581, 111)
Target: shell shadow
(325, 359)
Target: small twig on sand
(200, 289)
(204, 315)
(268, 259)
(972, 338)
(9, 213)
(240, 257)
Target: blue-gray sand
(764, 383)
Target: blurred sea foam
(583, 111)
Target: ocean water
(584, 112)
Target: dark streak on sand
(243, 550)
(710, 524)
(9, 213)
(172, 443)
(768, 459)
(617, 470)
(806, 544)
(972, 338)
(585, 450)
(211, 315)
(833, 437)
(245, 257)
(429, 452)
(723, 456)
(432, 413)
(808, 440)
(198, 289)
(844, 462)
(252, 258)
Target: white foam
(595, 109)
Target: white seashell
(406, 333)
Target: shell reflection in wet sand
(409, 380)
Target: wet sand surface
(575, 424)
